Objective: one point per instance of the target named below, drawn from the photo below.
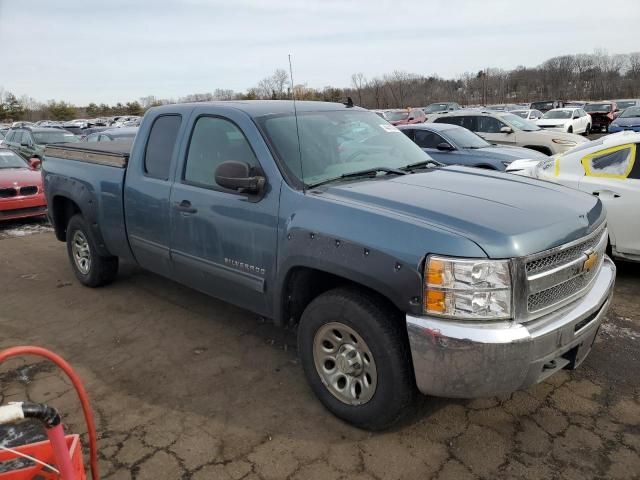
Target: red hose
(77, 383)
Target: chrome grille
(551, 261)
(558, 276)
(557, 293)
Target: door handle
(185, 207)
(606, 193)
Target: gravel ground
(187, 387)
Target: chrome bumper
(468, 360)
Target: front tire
(90, 268)
(355, 354)
(570, 129)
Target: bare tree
(358, 82)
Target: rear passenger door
(223, 242)
(147, 193)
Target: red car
(406, 116)
(602, 114)
(21, 192)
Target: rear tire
(587, 130)
(90, 268)
(570, 129)
(348, 334)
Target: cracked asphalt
(187, 387)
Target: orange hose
(77, 383)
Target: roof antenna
(295, 114)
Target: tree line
(594, 76)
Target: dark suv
(31, 141)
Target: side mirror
(237, 176)
(506, 130)
(445, 147)
(35, 163)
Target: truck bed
(112, 154)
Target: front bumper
(469, 360)
(23, 207)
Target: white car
(570, 120)
(532, 115)
(608, 168)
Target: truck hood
(506, 215)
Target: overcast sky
(109, 51)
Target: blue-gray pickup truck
(402, 276)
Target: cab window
(162, 140)
(214, 140)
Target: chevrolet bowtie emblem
(590, 262)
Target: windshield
(557, 114)
(436, 107)
(395, 116)
(335, 143)
(520, 123)
(8, 159)
(45, 138)
(630, 113)
(1, 135)
(597, 107)
(463, 138)
(626, 104)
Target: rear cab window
(160, 146)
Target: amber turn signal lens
(435, 272)
(435, 301)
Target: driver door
(223, 242)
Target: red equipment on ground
(61, 456)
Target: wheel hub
(349, 360)
(345, 363)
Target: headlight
(562, 141)
(545, 167)
(476, 289)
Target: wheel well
(540, 149)
(61, 212)
(303, 284)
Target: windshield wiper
(423, 164)
(370, 172)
